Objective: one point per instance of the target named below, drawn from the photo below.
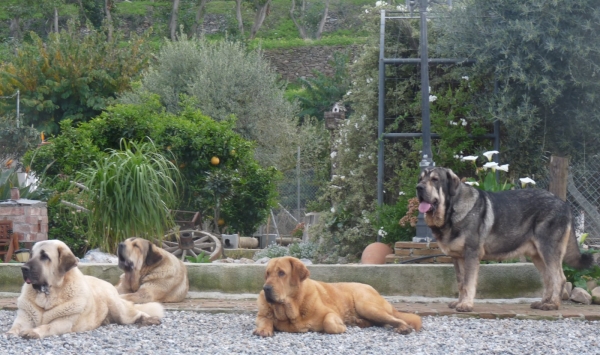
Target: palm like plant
(130, 193)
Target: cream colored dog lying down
(291, 302)
(57, 298)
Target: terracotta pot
(375, 253)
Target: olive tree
(224, 79)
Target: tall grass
(130, 193)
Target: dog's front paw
(549, 307)
(30, 334)
(464, 307)
(149, 321)
(536, 305)
(404, 329)
(452, 304)
(263, 332)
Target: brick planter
(29, 219)
(404, 251)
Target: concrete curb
(496, 281)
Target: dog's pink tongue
(424, 207)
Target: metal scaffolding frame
(423, 232)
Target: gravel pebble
(185, 332)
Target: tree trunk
(559, 172)
(15, 28)
(107, 6)
(261, 14)
(82, 10)
(323, 20)
(238, 15)
(173, 22)
(300, 28)
(55, 19)
(199, 17)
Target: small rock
(306, 261)
(246, 261)
(262, 260)
(596, 295)
(581, 296)
(567, 291)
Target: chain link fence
(583, 195)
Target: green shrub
(271, 251)
(300, 250)
(76, 76)
(223, 79)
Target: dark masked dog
(151, 274)
(57, 298)
(472, 225)
(291, 302)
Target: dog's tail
(153, 309)
(573, 256)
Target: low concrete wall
(495, 280)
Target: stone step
(405, 251)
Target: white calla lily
(490, 165)
(503, 167)
(469, 158)
(472, 183)
(490, 154)
(525, 181)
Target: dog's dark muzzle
(124, 263)
(269, 294)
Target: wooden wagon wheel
(192, 242)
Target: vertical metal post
(18, 104)
(381, 114)
(298, 186)
(423, 232)
(381, 111)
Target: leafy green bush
(224, 79)
(271, 251)
(389, 216)
(15, 141)
(193, 139)
(64, 223)
(76, 75)
(301, 250)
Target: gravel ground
(203, 333)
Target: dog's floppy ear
(66, 260)
(299, 271)
(152, 256)
(453, 182)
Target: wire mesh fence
(583, 195)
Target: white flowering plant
(486, 174)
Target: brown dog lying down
(291, 302)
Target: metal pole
(18, 102)
(298, 182)
(423, 232)
(381, 113)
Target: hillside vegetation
(211, 18)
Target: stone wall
(294, 63)
(29, 218)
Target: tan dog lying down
(57, 298)
(151, 274)
(291, 302)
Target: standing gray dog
(472, 225)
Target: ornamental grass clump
(129, 193)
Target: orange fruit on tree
(221, 221)
(215, 160)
